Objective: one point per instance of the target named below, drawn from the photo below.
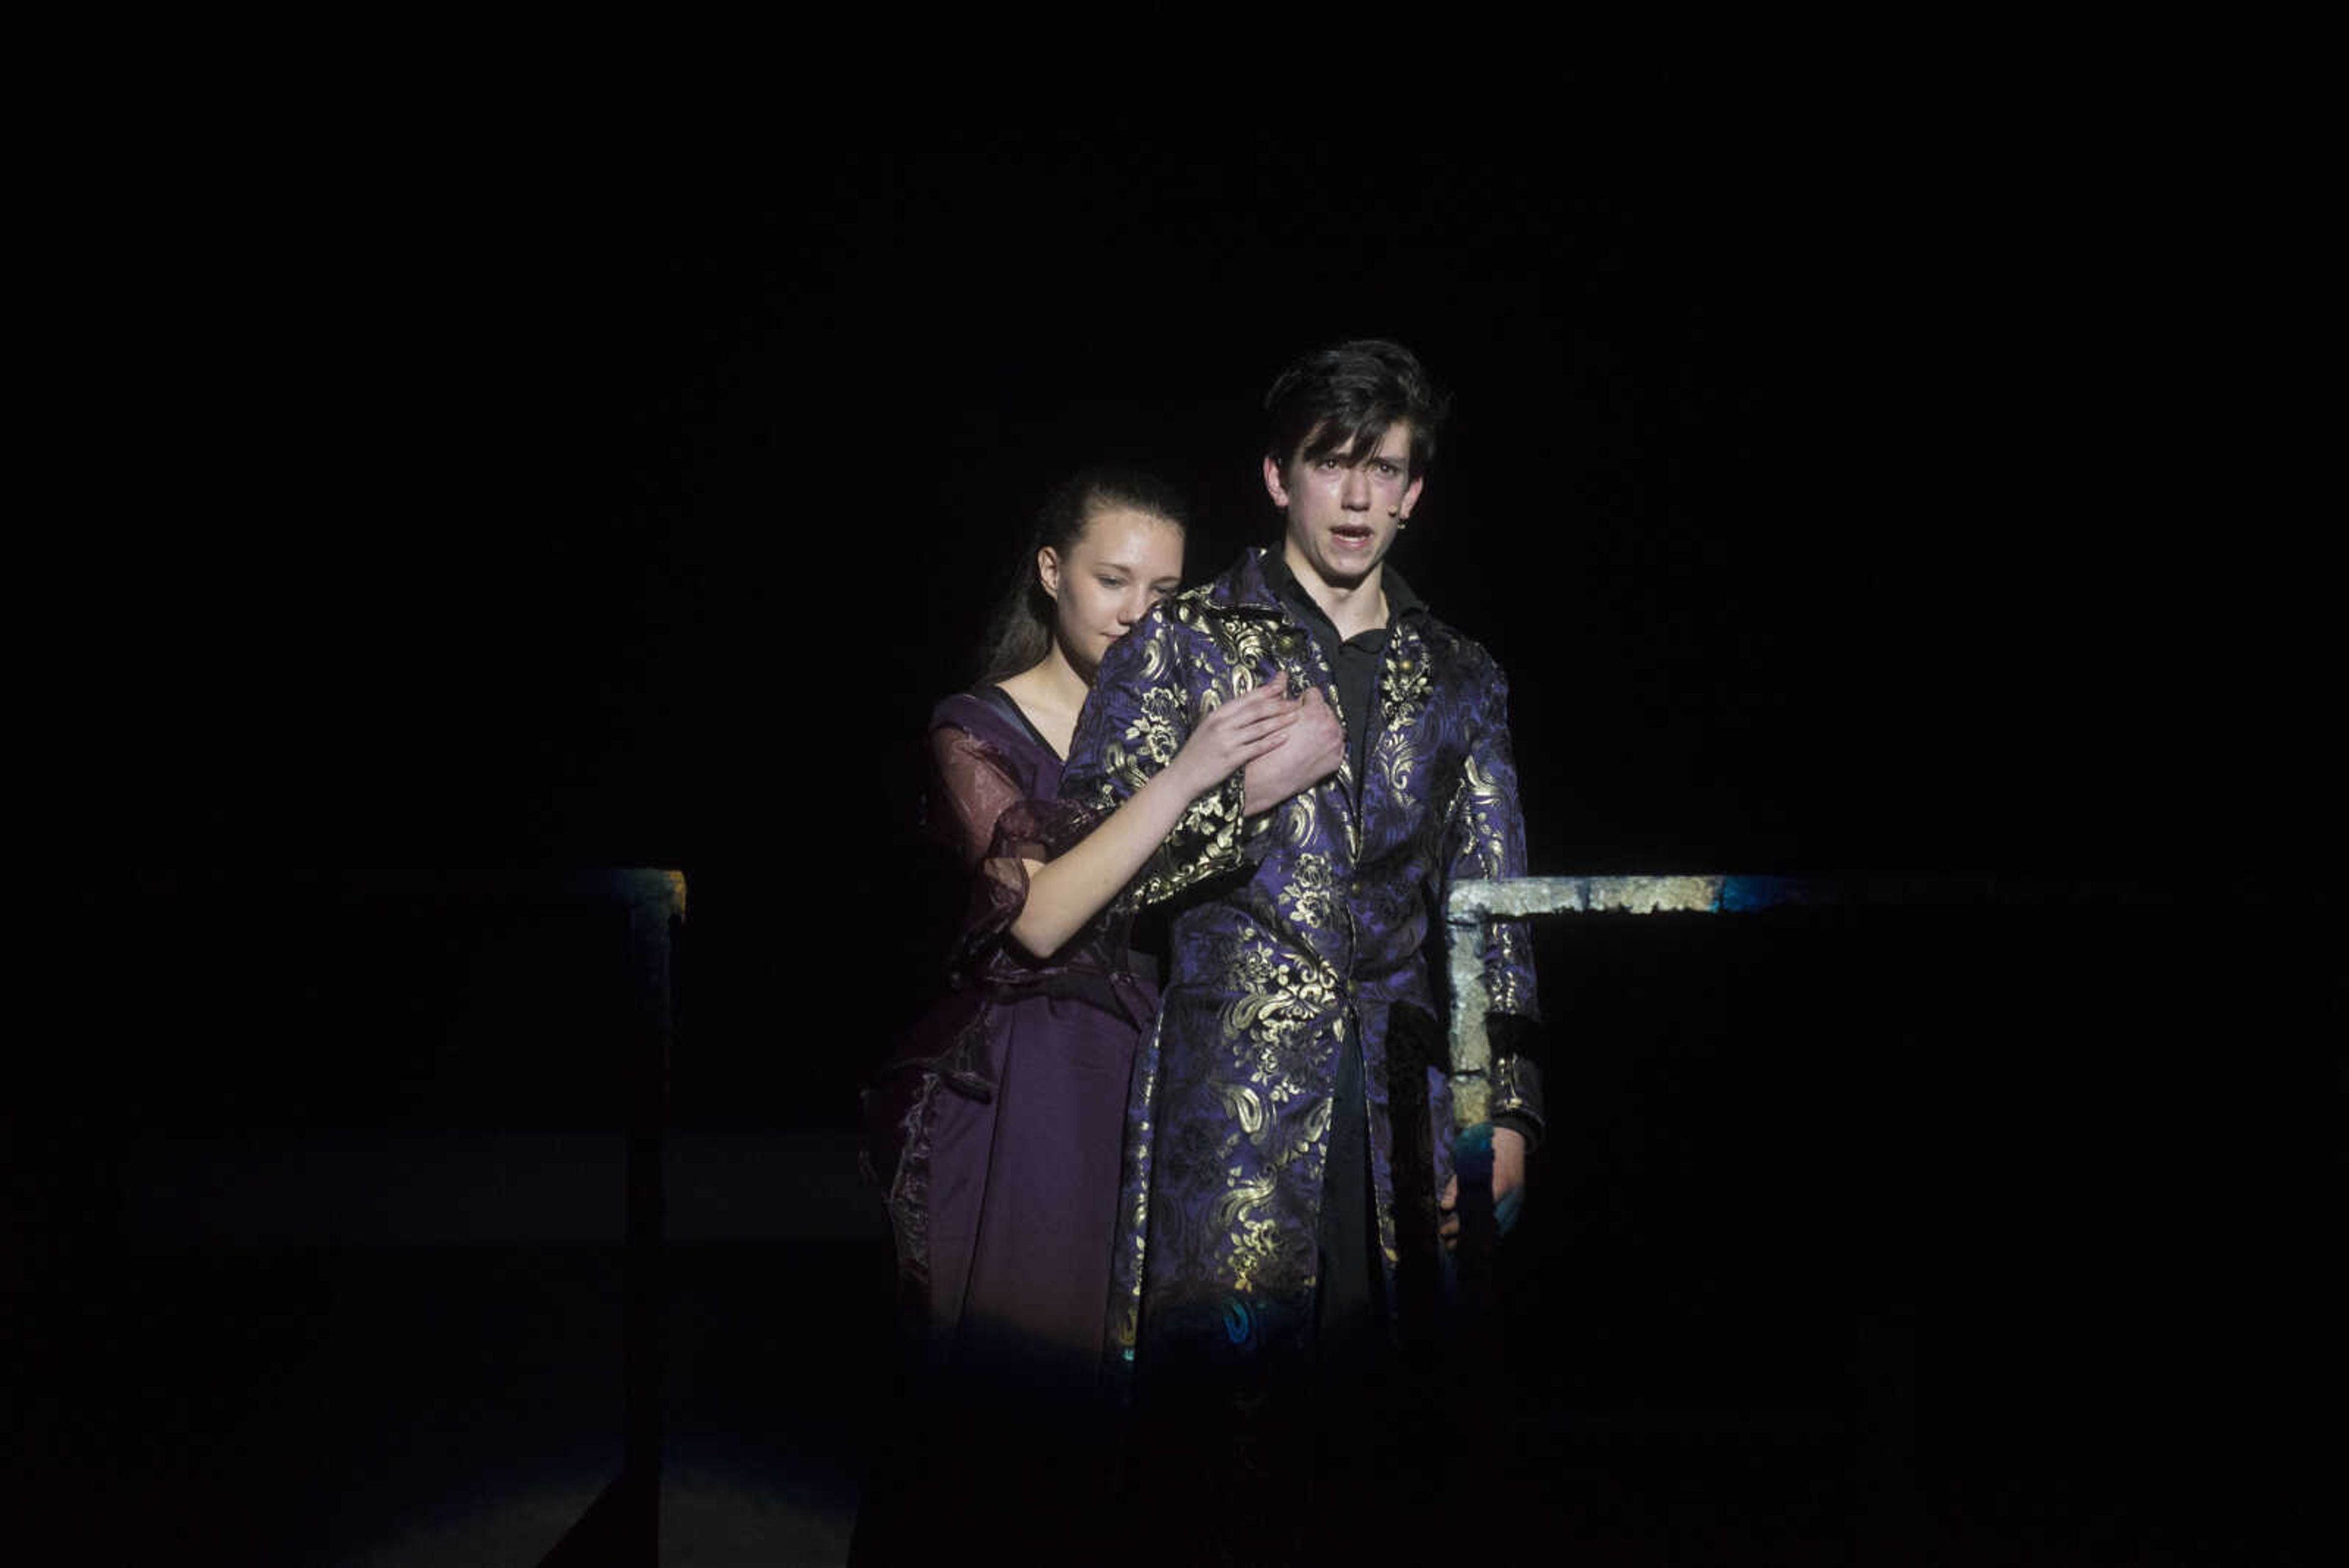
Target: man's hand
(1315, 746)
(1508, 1189)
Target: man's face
(1345, 507)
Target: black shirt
(1355, 660)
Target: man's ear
(1048, 572)
(1411, 496)
(1275, 482)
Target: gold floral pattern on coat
(1310, 899)
(1294, 936)
(1404, 680)
(1474, 805)
(1246, 1107)
(1279, 1002)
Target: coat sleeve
(1485, 836)
(1138, 715)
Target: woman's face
(1123, 562)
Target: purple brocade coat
(995, 1130)
(1294, 928)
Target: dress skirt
(1024, 1194)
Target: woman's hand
(1236, 733)
(1070, 890)
(1310, 754)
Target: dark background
(1843, 492)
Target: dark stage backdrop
(1839, 493)
(492, 502)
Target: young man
(1291, 1139)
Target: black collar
(1400, 600)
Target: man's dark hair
(1344, 399)
(1020, 631)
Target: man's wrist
(1518, 1122)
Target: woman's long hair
(1019, 633)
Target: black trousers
(1349, 1307)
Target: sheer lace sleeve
(988, 818)
(973, 788)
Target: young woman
(997, 1127)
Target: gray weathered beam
(1472, 903)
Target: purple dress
(996, 1128)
